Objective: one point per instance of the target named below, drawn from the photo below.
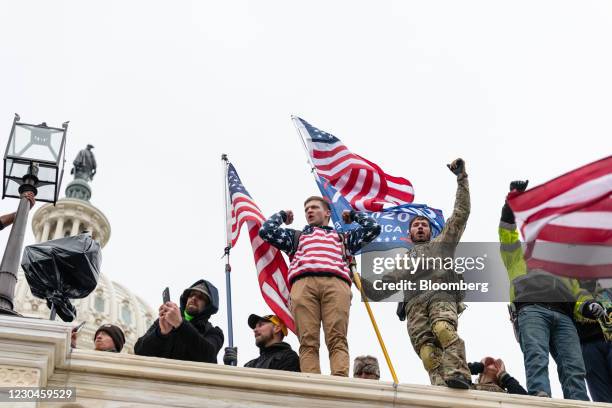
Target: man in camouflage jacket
(432, 315)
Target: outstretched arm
(510, 245)
(455, 225)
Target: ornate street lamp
(34, 161)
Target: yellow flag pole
(357, 280)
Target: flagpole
(226, 254)
(353, 266)
(357, 280)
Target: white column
(75, 227)
(59, 229)
(45, 232)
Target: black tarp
(63, 269)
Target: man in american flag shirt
(319, 278)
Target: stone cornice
(151, 381)
(34, 343)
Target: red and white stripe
(364, 184)
(567, 222)
(319, 252)
(269, 262)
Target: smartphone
(166, 295)
(79, 327)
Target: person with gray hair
(366, 367)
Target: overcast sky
(518, 89)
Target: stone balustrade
(37, 352)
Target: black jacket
(589, 331)
(196, 340)
(278, 356)
(511, 385)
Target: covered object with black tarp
(63, 269)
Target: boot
(458, 382)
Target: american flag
(394, 221)
(567, 222)
(365, 185)
(270, 264)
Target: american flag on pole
(270, 264)
(567, 222)
(363, 183)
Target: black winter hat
(115, 333)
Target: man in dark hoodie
(185, 333)
(274, 353)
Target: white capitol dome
(110, 302)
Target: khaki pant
(327, 300)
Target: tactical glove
(593, 310)
(231, 356)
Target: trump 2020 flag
(394, 221)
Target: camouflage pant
(432, 327)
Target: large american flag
(363, 183)
(567, 222)
(270, 264)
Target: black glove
(593, 310)
(231, 356)
(476, 368)
(507, 214)
(519, 185)
(457, 167)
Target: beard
(192, 309)
(419, 238)
(262, 340)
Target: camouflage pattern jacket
(442, 246)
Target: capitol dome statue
(110, 302)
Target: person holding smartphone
(183, 332)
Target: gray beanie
(366, 365)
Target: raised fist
(346, 217)
(288, 217)
(519, 185)
(457, 167)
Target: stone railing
(37, 353)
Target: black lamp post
(34, 161)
